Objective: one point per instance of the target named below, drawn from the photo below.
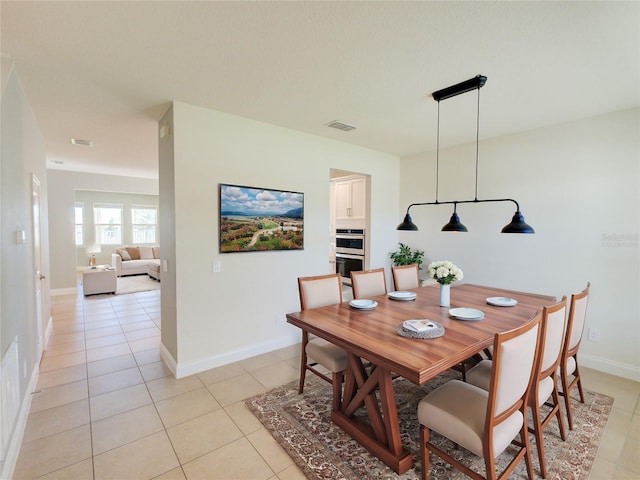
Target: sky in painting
(257, 201)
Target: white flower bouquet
(444, 272)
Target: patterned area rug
(302, 426)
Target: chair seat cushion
(480, 375)
(457, 410)
(327, 354)
(571, 365)
(545, 388)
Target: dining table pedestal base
(381, 434)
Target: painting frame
(259, 219)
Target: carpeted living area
(302, 426)
(136, 283)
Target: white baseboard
(609, 366)
(168, 359)
(16, 441)
(63, 291)
(189, 368)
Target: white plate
(502, 301)
(363, 304)
(402, 295)
(466, 313)
(420, 325)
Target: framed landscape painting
(256, 219)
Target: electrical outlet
(216, 266)
(594, 334)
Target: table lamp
(91, 251)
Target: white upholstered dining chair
(486, 422)
(573, 336)
(544, 389)
(405, 277)
(368, 283)
(318, 291)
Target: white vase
(445, 295)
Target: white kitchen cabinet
(350, 200)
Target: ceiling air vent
(341, 126)
(79, 141)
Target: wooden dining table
(377, 354)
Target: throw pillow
(134, 253)
(156, 252)
(124, 255)
(145, 252)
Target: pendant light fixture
(517, 224)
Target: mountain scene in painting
(255, 219)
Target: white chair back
(405, 277)
(579, 313)
(368, 283)
(513, 367)
(554, 337)
(319, 291)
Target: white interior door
(37, 256)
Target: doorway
(39, 276)
(350, 208)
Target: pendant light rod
(477, 137)
(475, 200)
(438, 153)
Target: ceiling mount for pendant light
(517, 224)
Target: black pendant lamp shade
(454, 224)
(407, 224)
(517, 225)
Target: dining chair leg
(556, 401)
(579, 381)
(537, 431)
(303, 362)
(527, 445)
(424, 453)
(566, 393)
(567, 406)
(303, 372)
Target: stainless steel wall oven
(350, 252)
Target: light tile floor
(106, 406)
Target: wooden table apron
(371, 335)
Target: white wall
(578, 187)
(22, 153)
(239, 312)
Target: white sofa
(135, 260)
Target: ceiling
(107, 71)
